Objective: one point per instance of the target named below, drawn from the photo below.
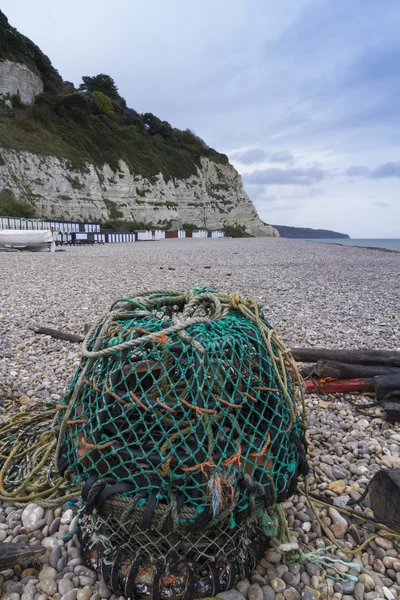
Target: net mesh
(183, 411)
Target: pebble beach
(313, 294)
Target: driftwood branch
(338, 370)
(61, 335)
(389, 358)
(325, 359)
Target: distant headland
(308, 233)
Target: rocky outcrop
(212, 199)
(17, 77)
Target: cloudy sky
(303, 95)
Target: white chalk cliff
(18, 78)
(211, 199)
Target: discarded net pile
(181, 429)
(27, 469)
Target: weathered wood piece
(387, 385)
(338, 370)
(13, 554)
(384, 493)
(389, 358)
(61, 335)
(387, 388)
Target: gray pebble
(254, 592)
(348, 587)
(312, 569)
(230, 595)
(74, 562)
(281, 569)
(54, 526)
(13, 587)
(55, 556)
(48, 586)
(71, 595)
(273, 557)
(11, 596)
(82, 570)
(305, 578)
(295, 568)
(291, 579)
(268, 592)
(308, 595)
(62, 563)
(257, 578)
(291, 594)
(241, 586)
(303, 517)
(83, 580)
(106, 593)
(64, 586)
(74, 552)
(371, 595)
(85, 593)
(278, 584)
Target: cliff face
(211, 199)
(17, 77)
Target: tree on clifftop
(100, 83)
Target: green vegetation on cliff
(92, 124)
(11, 207)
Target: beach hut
(200, 233)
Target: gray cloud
(257, 155)
(281, 157)
(250, 157)
(381, 203)
(389, 169)
(276, 176)
(358, 172)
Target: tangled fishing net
(180, 427)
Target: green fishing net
(182, 416)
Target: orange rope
(171, 410)
(165, 467)
(94, 384)
(198, 409)
(228, 403)
(113, 394)
(250, 397)
(136, 399)
(162, 338)
(77, 421)
(263, 449)
(128, 332)
(168, 580)
(97, 446)
(266, 389)
(61, 407)
(111, 333)
(208, 463)
(234, 458)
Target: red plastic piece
(333, 386)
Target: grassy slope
(101, 140)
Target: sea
(388, 244)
